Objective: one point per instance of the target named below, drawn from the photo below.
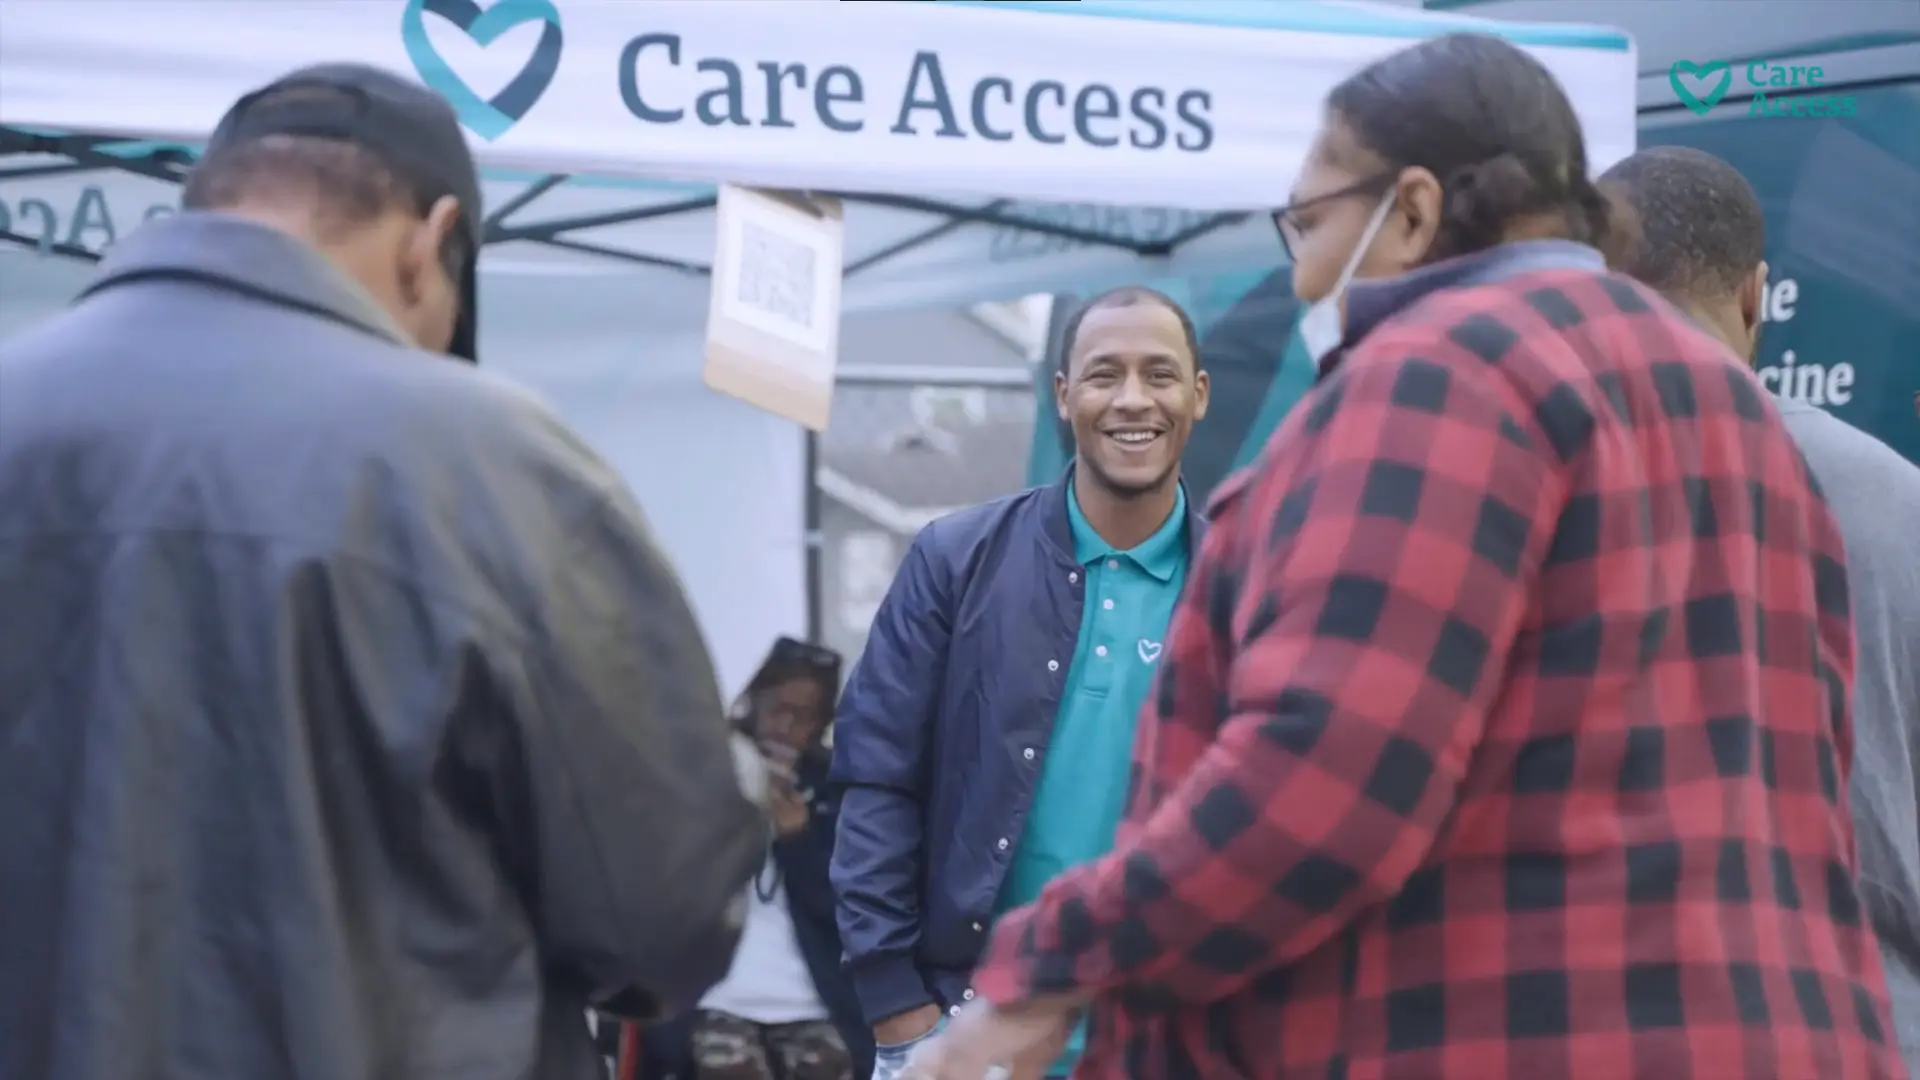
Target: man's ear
(1753, 298)
(1407, 237)
(427, 240)
(1621, 242)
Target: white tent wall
(723, 484)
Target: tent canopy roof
(985, 148)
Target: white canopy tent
(984, 150)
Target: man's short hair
(343, 183)
(1696, 226)
(1126, 296)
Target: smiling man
(984, 739)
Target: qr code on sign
(776, 275)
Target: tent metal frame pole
(992, 378)
(812, 511)
(96, 153)
(85, 153)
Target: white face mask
(1323, 327)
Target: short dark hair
(1490, 122)
(342, 184)
(1126, 296)
(1694, 225)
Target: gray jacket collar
(253, 260)
(1370, 303)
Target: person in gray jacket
(351, 724)
(1697, 234)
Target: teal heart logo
(1700, 73)
(492, 117)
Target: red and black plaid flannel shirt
(1502, 733)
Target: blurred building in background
(933, 412)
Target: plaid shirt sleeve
(1358, 606)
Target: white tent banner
(1093, 119)
(981, 150)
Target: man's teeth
(1136, 436)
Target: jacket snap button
(1053, 665)
(955, 1011)
(967, 994)
(1027, 753)
(1073, 579)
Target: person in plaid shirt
(1504, 726)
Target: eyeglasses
(1286, 221)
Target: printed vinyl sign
(1044, 101)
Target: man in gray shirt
(1696, 233)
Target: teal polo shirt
(1083, 781)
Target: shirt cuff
(888, 986)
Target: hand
(785, 802)
(790, 811)
(1025, 1039)
(907, 1026)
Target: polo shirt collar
(1160, 555)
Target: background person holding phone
(785, 1009)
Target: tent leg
(816, 544)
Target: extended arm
(1362, 599)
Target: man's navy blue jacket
(940, 737)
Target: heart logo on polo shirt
(1149, 651)
(492, 117)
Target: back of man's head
(1694, 230)
(338, 185)
(372, 171)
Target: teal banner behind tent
(1843, 301)
(1842, 199)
